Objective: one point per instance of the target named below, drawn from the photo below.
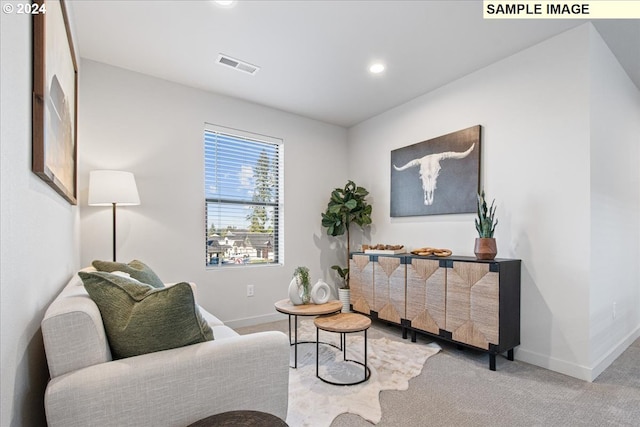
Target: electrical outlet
(249, 290)
(614, 310)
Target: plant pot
(345, 299)
(485, 248)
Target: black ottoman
(240, 418)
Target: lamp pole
(114, 232)
(107, 187)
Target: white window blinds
(243, 198)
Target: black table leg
(295, 346)
(365, 355)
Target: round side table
(343, 323)
(285, 306)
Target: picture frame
(437, 176)
(55, 100)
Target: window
(243, 198)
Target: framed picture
(55, 100)
(437, 176)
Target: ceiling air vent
(237, 64)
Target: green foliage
(344, 275)
(486, 222)
(264, 176)
(346, 206)
(302, 274)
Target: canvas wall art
(437, 176)
(55, 88)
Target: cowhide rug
(314, 403)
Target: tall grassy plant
(346, 206)
(486, 221)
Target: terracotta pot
(485, 248)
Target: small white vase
(345, 299)
(320, 292)
(294, 292)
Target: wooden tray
(385, 251)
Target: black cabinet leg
(404, 333)
(413, 336)
(492, 361)
(510, 355)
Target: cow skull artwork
(424, 182)
(430, 169)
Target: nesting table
(285, 306)
(343, 324)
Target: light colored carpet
(457, 388)
(314, 403)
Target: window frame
(277, 205)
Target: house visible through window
(243, 198)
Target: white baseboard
(553, 364)
(606, 360)
(574, 370)
(257, 320)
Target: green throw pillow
(136, 269)
(140, 319)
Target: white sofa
(167, 388)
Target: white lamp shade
(109, 187)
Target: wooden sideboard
(470, 302)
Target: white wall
(536, 109)
(39, 247)
(154, 129)
(615, 207)
(535, 114)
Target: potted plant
(346, 206)
(485, 247)
(344, 293)
(300, 287)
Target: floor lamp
(111, 188)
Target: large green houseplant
(346, 206)
(485, 246)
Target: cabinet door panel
(473, 304)
(426, 295)
(485, 306)
(361, 283)
(389, 275)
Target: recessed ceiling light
(225, 3)
(376, 68)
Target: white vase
(345, 299)
(320, 292)
(294, 292)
